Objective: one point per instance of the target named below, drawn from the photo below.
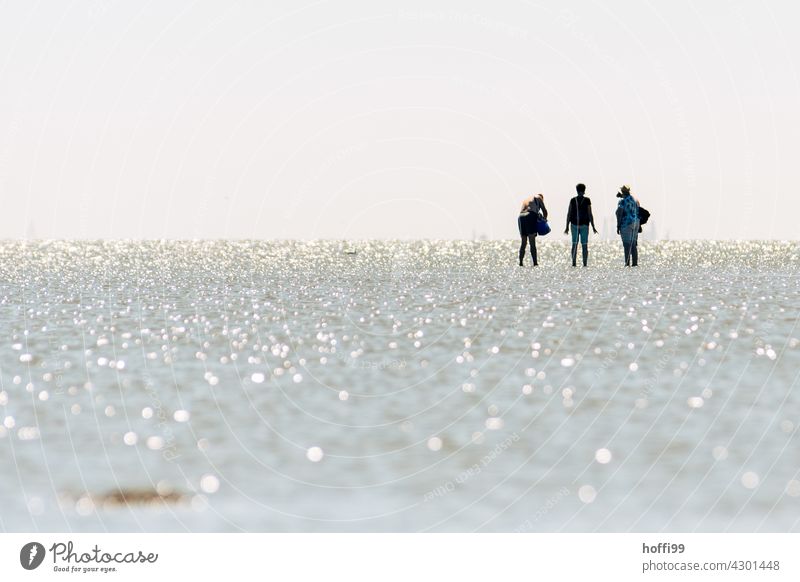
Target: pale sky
(365, 119)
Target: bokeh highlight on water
(398, 386)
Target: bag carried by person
(644, 215)
(542, 227)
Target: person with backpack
(533, 210)
(579, 217)
(628, 225)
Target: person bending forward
(533, 210)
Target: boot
(574, 254)
(585, 255)
(534, 255)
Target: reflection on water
(371, 386)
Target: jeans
(630, 243)
(581, 232)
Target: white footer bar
(407, 557)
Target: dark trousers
(525, 240)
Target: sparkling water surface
(398, 386)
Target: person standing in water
(628, 225)
(533, 210)
(579, 217)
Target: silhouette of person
(628, 225)
(533, 210)
(579, 217)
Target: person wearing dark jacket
(533, 210)
(579, 217)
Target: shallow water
(374, 386)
